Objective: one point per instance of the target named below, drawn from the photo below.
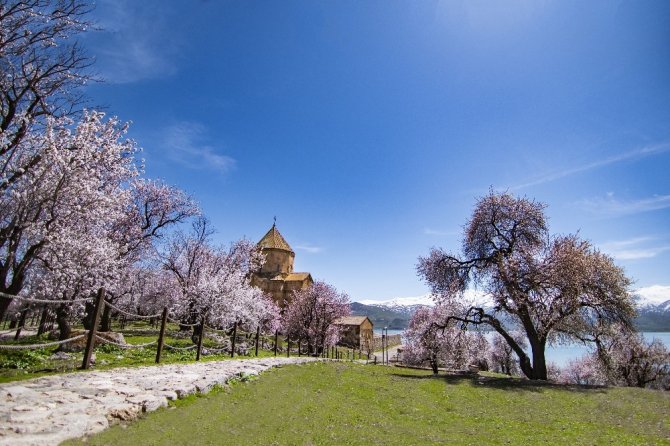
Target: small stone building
(356, 332)
(276, 276)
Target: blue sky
(369, 128)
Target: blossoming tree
(309, 317)
(550, 287)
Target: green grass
(346, 403)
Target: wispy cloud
(612, 206)
(185, 143)
(309, 249)
(627, 156)
(635, 248)
(128, 46)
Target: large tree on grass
(549, 287)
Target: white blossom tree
(71, 197)
(213, 282)
(63, 214)
(42, 69)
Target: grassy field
(346, 403)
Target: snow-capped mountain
(653, 305)
(476, 297)
(654, 298)
(424, 299)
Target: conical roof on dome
(274, 240)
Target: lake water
(562, 354)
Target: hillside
(651, 317)
(382, 316)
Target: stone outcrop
(49, 410)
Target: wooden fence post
(99, 302)
(258, 334)
(276, 339)
(202, 335)
(232, 350)
(161, 336)
(22, 322)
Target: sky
(370, 128)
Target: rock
(60, 356)
(154, 404)
(18, 392)
(80, 344)
(124, 412)
(169, 394)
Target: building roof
(298, 276)
(274, 240)
(351, 320)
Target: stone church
(276, 277)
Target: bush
(21, 359)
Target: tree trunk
(4, 304)
(14, 287)
(64, 328)
(433, 363)
(43, 321)
(87, 320)
(106, 320)
(539, 368)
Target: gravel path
(49, 410)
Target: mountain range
(395, 314)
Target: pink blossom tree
(626, 359)
(584, 371)
(430, 339)
(502, 357)
(310, 316)
(552, 288)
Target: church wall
(278, 261)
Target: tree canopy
(550, 287)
